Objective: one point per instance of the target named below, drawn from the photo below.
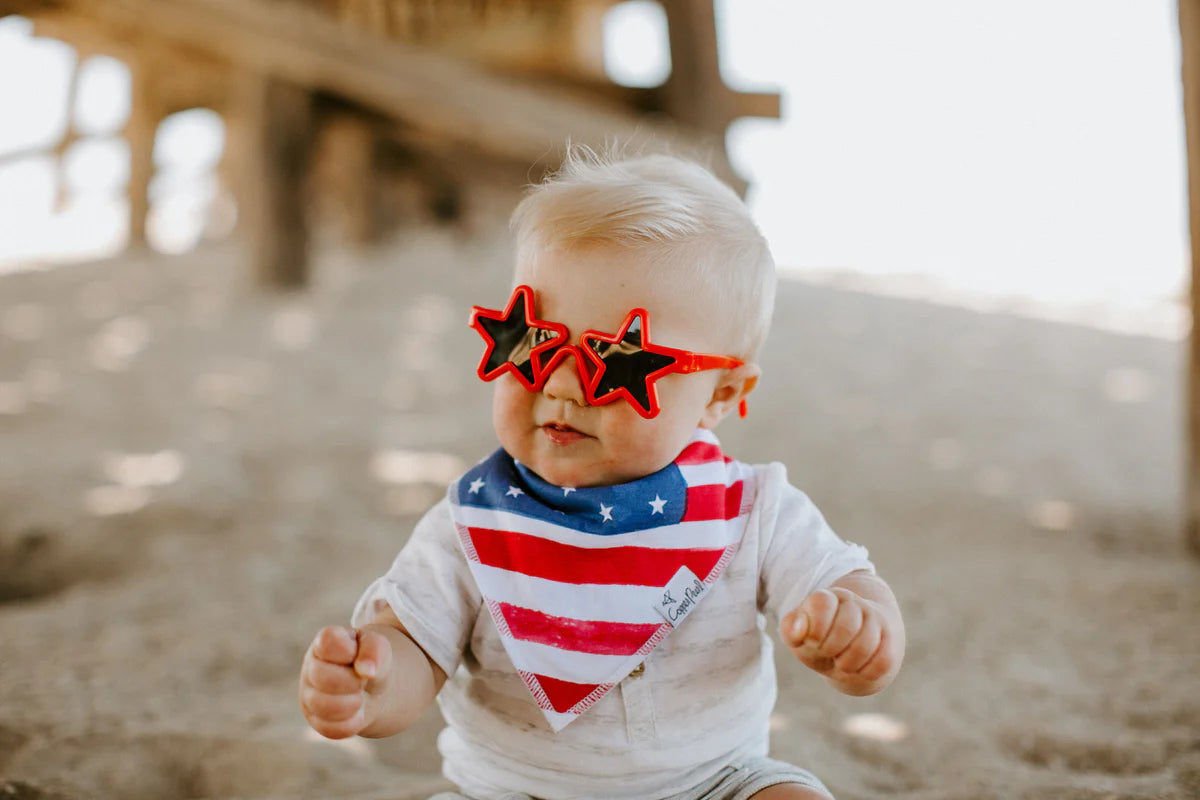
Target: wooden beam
(183, 78)
(22, 7)
(559, 40)
(87, 38)
(430, 91)
(756, 104)
(1189, 30)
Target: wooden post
(276, 125)
(140, 130)
(70, 136)
(348, 144)
(1189, 30)
(696, 94)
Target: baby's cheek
(511, 406)
(644, 447)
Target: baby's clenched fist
(847, 638)
(341, 669)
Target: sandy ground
(195, 476)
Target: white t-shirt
(702, 701)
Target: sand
(195, 476)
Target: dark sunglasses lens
(514, 342)
(627, 365)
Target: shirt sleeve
(800, 553)
(430, 589)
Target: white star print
(476, 485)
(567, 490)
(657, 504)
(513, 491)
(606, 512)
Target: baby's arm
(851, 633)
(372, 682)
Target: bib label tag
(680, 596)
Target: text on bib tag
(680, 596)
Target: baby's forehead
(604, 275)
(648, 270)
(603, 288)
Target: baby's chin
(581, 474)
(576, 476)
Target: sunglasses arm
(696, 362)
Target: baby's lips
(563, 434)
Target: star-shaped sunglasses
(611, 366)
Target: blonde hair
(670, 209)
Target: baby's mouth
(562, 433)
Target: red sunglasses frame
(590, 364)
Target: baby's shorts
(735, 782)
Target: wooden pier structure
(507, 79)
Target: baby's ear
(730, 390)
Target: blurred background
(238, 243)
(1034, 156)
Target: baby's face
(554, 431)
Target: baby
(588, 603)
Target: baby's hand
(341, 668)
(846, 638)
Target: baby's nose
(565, 381)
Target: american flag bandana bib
(584, 583)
